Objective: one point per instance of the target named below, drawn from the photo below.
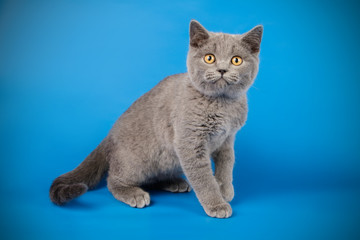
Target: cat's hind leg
(132, 195)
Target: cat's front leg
(224, 158)
(196, 164)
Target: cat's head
(222, 64)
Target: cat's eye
(209, 58)
(236, 60)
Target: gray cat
(176, 128)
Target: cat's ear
(198, 34)
(252, 38)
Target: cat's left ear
(198, 34)
(253, 38)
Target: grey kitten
(176, 128)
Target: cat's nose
(222, 71)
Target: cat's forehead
(224, 44)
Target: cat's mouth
(223, 80)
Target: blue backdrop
(68, 69)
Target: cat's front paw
(222, 210)
(227, 191)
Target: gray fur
(176, 128)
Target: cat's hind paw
(176, 186)
(139, 201)
(133, 196)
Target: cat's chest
(219, 121)
(218, 128)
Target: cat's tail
(86, 176)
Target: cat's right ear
(198, 34)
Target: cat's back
(153, 110)
(160, 97)
(167, 90)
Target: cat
(176, 128)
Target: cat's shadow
(79, 204)
(157, 197)
(86, 205)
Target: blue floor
(290, 214)
(68, 69)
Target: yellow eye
(236, 60)
(209, 58)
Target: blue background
(68, 69)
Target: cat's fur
(176, 128)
